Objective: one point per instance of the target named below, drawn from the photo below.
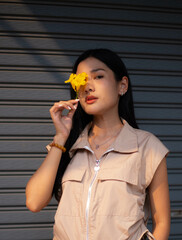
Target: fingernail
(69, 108)
(77, 99)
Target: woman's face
(101, 93)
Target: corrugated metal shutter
(39, 41)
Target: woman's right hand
(40, 186)
(63, 123)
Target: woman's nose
(89, 87)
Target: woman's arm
(160, 202)
(40, 186)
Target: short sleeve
(155, 153)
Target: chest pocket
(118, 191)
(72, 189)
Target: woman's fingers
(60, 106)
(72, 110)
(57, 110)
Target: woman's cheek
(81, 92)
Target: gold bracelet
(58, 146)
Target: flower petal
(77, 80)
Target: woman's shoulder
(149, 139)
(151, 144)
(145, 135)
(142, 135)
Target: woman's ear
(123, 86)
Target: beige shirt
(107, 202)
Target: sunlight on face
(101, 92)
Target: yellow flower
(77, 80)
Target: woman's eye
(99, 77)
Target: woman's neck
(105, 127)
(103, 133)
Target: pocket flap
(119, 174)
(73, 175)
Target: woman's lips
(90, 99)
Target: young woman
(110, 168)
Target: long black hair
(81, 118)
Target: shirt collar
(81, 142)
(126, 141)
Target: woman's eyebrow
(97, 69)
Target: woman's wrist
(58, 143)
(62, 148)
(59, 140)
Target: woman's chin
(91, 111)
